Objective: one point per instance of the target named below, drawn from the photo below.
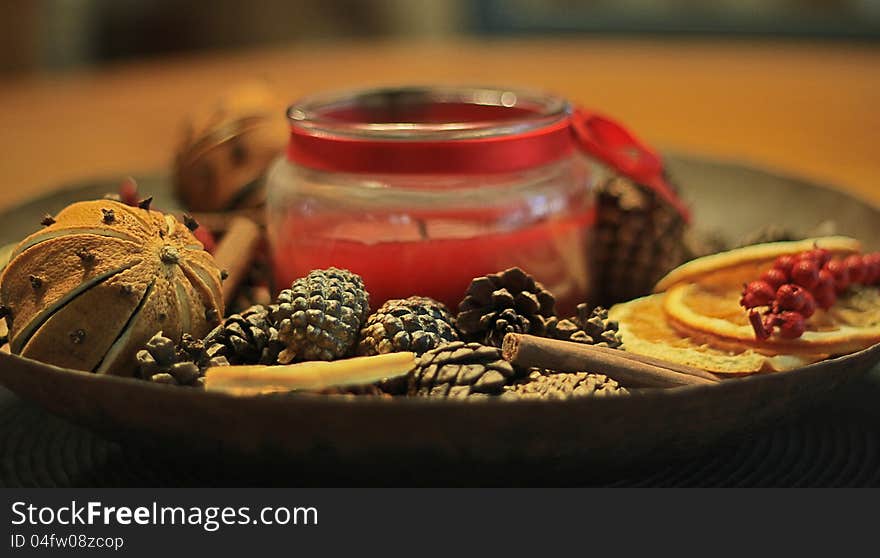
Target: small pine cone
(589, 326)
(768, 233)
(547, 384)
(460, 369)
(320, 316)
(637, 239)
(414, 324)
(366, 390)
(507, 302)
(246, 338)
(700, 243)
(164, 362)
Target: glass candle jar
(419, 190)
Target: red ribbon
(596, 135)
(614, 145)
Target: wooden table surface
(804, 108)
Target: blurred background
(59, 35)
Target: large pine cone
(507, 302)
(320, 315)
(589, 326)
(547, 384)
(460, 369)
(638, 238)
(414, 324)
(246, 338)
(162, 361)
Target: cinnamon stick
(528, 351)
(219, 222)
(675, 367)
(236, 251)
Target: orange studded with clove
(94, 284)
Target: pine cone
(320, 315)
(589, 326)
(769, 233)
(256, 287)
(507, 302)
(164, 362)
(703, 243)
(246, 338)
(460, 369)
(414, 324)
(637, 239)
(547, 384)
(366, 390)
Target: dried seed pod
(460, 369)
(226, 149)
(151, 258)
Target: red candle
(430, 255)
(421, 189)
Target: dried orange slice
(741, 265)
(852, 324)
(702, 299)
(645, 330)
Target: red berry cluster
(796, 285)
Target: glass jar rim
(434, 113)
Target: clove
(77, 337)
(86, 256)
(190, 223)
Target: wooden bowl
(602, 432)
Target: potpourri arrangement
(633, 296)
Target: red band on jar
(595, 135)
(499, 154)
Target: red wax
(433, 255)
